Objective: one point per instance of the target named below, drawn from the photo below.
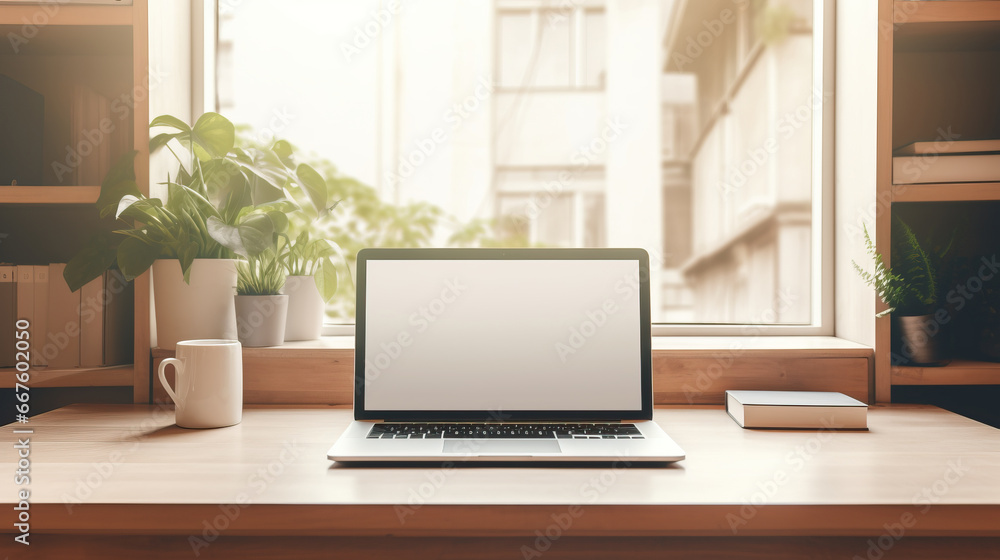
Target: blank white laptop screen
(502, 335)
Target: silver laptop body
(503, 355)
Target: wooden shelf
(950, 36)
(49, 195)
(115, 376)
(45, 15)
(943, 192)
(958, 372)
(909, 11)
(73, 40)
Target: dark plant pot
(989, 343)
(922, 341)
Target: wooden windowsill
(686, 370)
(705, 346)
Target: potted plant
(307, 256)
(310, 283)
(222, 201)
(910, 290)
(261, 308)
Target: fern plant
(910, 286)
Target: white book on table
(796, 409)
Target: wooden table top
(128, 468)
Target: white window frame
(821, 269)
(204, 36)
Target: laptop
(503, 355)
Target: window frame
(822, 272)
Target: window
(692, 129)
(550, 48)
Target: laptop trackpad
(501, 446)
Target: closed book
(969, 168)
(8, 303)
(106, 325)
(25, 310)
(796, 409)
(92, 323)
(62, 344)
(119, 323)
(41, 306)
(949, 147)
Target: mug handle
(178, 368)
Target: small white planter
(306, 309)
(260, 320)
(199, 310)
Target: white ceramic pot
(200, 309)
(260, 320)
(306, 309)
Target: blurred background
(681, 126)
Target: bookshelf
(104, 48)
(937, 69)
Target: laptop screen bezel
(371, 254)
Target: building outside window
(684, 127)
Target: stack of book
(91, 327)
(947, 161)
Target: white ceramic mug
(209, 379)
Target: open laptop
(503, 355)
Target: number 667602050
(22, 362)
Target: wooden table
(122, 480)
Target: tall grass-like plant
(910, 286)
(260, 275)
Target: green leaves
(914, 264)
(119, 182)
(908, 287)
(260, 275)
(136, 256)
(212, 135)
(252, 236)
(171, 121)
(223, 200)
(306, 256)
(97, 255)
(314, 185)
(326, 279)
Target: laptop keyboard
(504, 431)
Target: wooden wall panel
(687, 380)
(57, 547)
(324, 376)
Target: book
(22, 115)
(796, 409)
(8, 303)
(62, 341)
(982, 167)
(25, 308)
(92, 323)
(119, 324)
(949, 147)
(41, 307)
(106, 327)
